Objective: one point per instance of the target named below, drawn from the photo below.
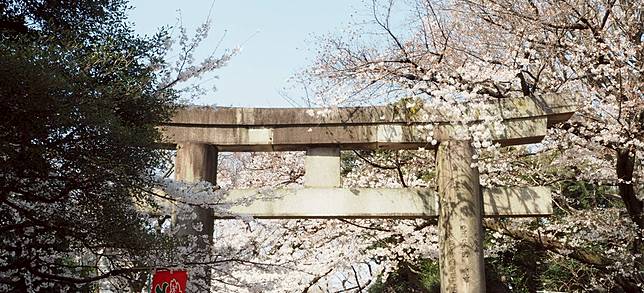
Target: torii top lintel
(525, 120)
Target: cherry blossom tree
(455, 56)
(298, 255)
(452, 56)
(593, 48)
(447, 53)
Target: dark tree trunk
(625, 167)
(634, 206)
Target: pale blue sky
(276, 38)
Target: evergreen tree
(80, 98)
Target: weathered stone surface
(388, 136)
(460, 231)
(380, 202)
(555, 107)
(517, 201)
(255, 129)
(194, 163)
(322, 167)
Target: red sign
(166, 281)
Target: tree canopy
(80, 98)
(444, 54)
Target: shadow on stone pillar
(195, 163)
(462, 268)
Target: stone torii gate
(460, 203)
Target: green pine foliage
(80, 100)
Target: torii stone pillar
(198, 162)
(322, 167)
(462, 269)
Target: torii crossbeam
(460, 203)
